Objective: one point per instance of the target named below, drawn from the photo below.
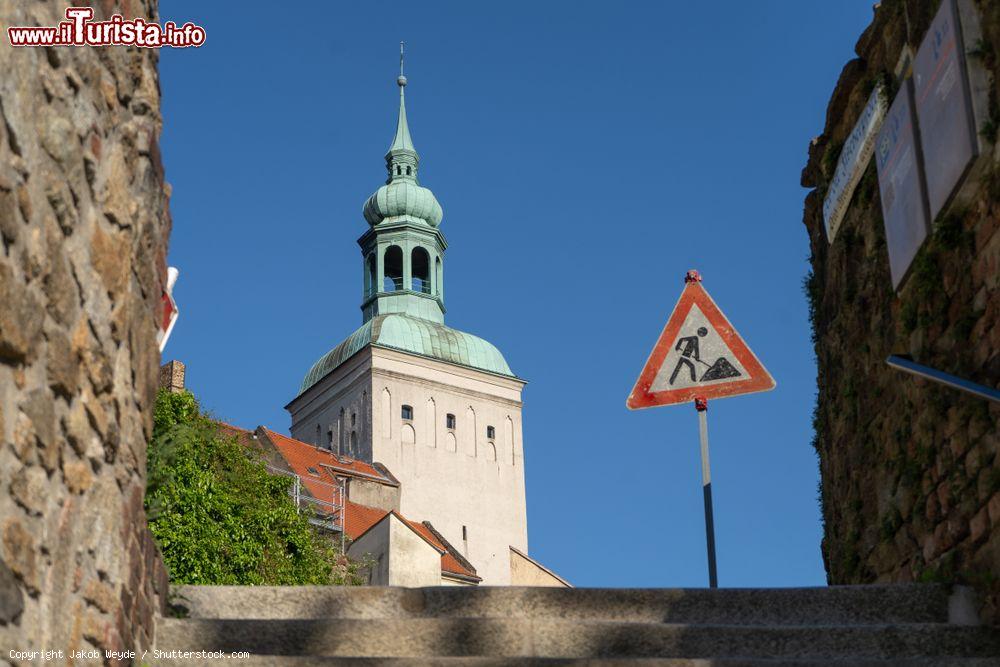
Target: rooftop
(415, 335)
(301, 456)
(359, 519)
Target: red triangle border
(759, 379)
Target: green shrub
(219, 517)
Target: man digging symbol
(688, 347)
(690, 344)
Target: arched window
(407, 170)
(491, 433)
(407, 413)
(420, 267)
(386, 413)
(316, 441)
(449, 422)
(399, 170)
(329, 438)
(437, 276)
(469, 432)
(508, 437)
(354, 443)
(393, 268)
(430, 422)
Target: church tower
(438, 407)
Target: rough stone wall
(910, 474)
(83, 232)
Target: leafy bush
(219, 517)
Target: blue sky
(586, 155)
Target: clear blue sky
(586, 155)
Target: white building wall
(400, 557)
(338, 408)
(452, 478)
(412, 561)
(374, 547)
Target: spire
(402, 141)
(403, 249)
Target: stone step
(549, 638)
(319, 661)
(833, 605)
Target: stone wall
(83, 233)
(910, 474)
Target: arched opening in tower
(420, 262)
(393, 268)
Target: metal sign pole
(701, 405)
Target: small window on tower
(407, 413)
(449, 421)
(407, 171)
(490, 433)
(329, 439)
(354, 418)
(316, 441)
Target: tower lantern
(403, 251)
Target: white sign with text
(854, 157)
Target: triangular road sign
(699, 354)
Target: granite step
(890, 604)
(560, 638)
(320, 661)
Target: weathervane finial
(402, 79)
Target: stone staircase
(852, 625)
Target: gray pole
(706, 484)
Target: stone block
(21, 318)
(11, 597)
(62, 365)
(101, 596)
(29, 487)
(20, 553)
(39, 407)
(78, 476)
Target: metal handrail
(947, 379)
(424, 290)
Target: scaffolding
(325, 499)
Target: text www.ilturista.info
(79, 30)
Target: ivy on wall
(220, 518)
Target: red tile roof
(450, 564)
(241, 434)
(307, 454)
(359, 518)
(322, 485)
